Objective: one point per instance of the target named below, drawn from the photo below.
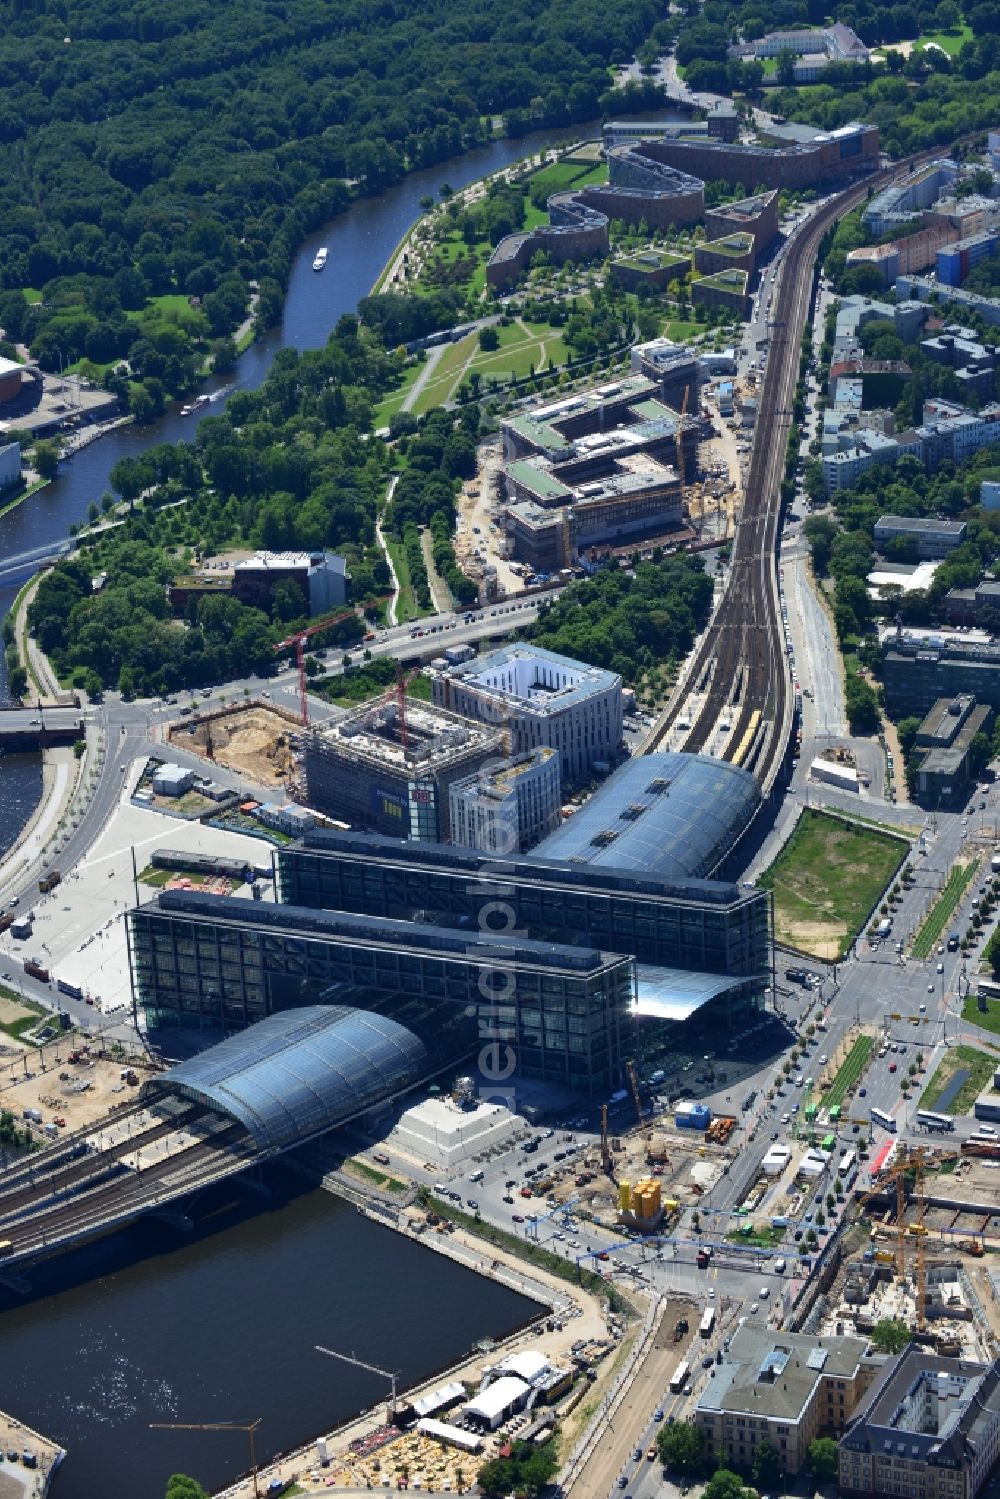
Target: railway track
(741, 671)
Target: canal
(360, 242)
(221, 1325)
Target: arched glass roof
(672, 815)
(301, 1072)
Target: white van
(477, 1176)
(779, 1267)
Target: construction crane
(910, 1160)
(607, 1162)
(390, 1374)
(681, 465)
(634, 1084)
(298, 640)
(250, 1427)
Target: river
(360, 242)
(221, 1325)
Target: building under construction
(389, 766)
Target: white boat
(321, 258)
(186, 410)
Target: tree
(786, 68)
(766, 1465)
(46, 459)
(681, 1449)
(890, 1335)
(724, 1484)
(823, 1459)
(179, 1486)
(862, 706)
(489, 339)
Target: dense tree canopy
(188, 149)
(627, 620)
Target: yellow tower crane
(250, 1427)
(910, 1160)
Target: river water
(221, 1325)
(360, 242)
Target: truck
(702, 1259)
(884, 928)
(36, 970)
(995, 862)
(953, 942)
(49, 881)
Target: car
(893, 1066)
(622, 1482)
(517, 1218)
(708, 1361)
(651, 1453)
(923, 1009)
(472, 1203)
(711, 1293)
(930, 989)
(123, 767)
(89, 999)
(763, 1293)
(657, 1415)
(940, 968)
(637, 1453)
(509, 1200)
(754, 1308)
(862, 1092)
(786, 1118)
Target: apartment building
(782, 1388)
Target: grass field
(942, 909)
(394, 401)
(849, 1072)
(960, 1058)
(988, 1020)
(951, 42)
(826, 881)
(523, 347)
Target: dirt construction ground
(43, 1079)
(251, 740)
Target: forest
(153, 152)
(629, 620)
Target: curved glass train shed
(671, 815)
(299, 1073)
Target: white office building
(507, 809)
(541, 699)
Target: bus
(935, 1121)
(707, 1322)
(66, 986)
(828, 1143)
(885, 1120)
(680, 1378)
(846, 1162)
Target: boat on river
(322, 255)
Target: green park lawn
(394, 401)
(979, 1064)
(826, 881)
(988, 1019)
(951, 42)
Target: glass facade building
(705, 925)
(202, 961)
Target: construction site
(389, 765)
(256, 739)
(916, 1253)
